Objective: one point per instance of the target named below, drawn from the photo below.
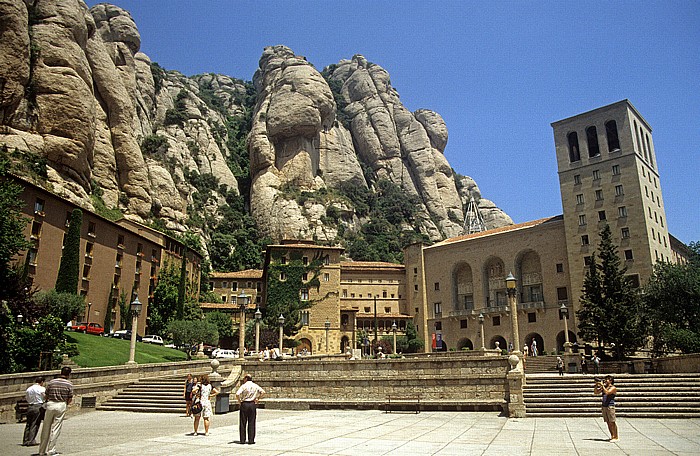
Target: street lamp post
(280, 320)
(20, 319)
(135, 311)
(510, 286)
(327, 325)
(376, 337)
(87, 319)
(393, 329)
(481, 328)
(565, 316)
(258, 317)
(241, 328)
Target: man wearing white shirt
(35, 396)
(248, 396)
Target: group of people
(198, 393)
(47, 404)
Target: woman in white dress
(205, 392)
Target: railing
(462, 312)
(532, 305)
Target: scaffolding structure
(473, 221)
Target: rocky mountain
(307, 154)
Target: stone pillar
(222, 402)
(515, 387)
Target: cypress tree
(182, 287)
(69, 270)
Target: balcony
(532, 305)
(462, 313)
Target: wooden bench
(402, 402)
(21, 408)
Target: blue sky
(499, 73)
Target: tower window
(574, 152)
(622, 211)
(592, 139)
(599, 195)
(616, 170)
(581, 219)
(601, 216)
(596, 174)
(496, 320)
(463, 324)
(584, 239)
(577, 179)
(611, 133)
(651, 156)
(579, 198)
(587, 261)
(560, 267)
(618, 190)
(625, 233)
(532, 317)
(628, 255)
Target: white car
(226, 354)
(153, 340)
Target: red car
(89, 328)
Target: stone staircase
(639, 396)
(540, 364)
(152, 396)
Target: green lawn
(96, 351)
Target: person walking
(187, 393)
(204, 391)
(59, 395)
(248, 396)
(596, 364)
(608, 390)
(534, 347)
(35, 396)
(560, 366)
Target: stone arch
(494, 274)
(540, 343)
(305, 343)
(561, 339)
(501, 342)
(528, 271)
(463, 287)
(465, 342)
(344, 343)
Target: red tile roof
(245, 274)
(500, 230)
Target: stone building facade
(608, 174)
(116, 257)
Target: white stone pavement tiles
(344, 432)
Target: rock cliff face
(117, 129)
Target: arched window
(651, 156)
(640, 147)
(613, 138)
(592, 139)
(574, 152)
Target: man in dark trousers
(35, 396)
(59, 394)
(248, 396)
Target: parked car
(226, 354)
(125, 334)
(89, 328)
(79, 327)
(153, 339)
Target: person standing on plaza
(59, 394)
(204, 391)
(248, 396)
(608, 390)
(187, 393)
(35, 396)
(560, 365)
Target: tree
(672, 304)
(188, 333)
(410, 343)
(12, 223)
(124, 311)
(611, 309)
(592, 310)
(69, 269)
(64, 306)
(223, 323)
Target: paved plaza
(348, 432)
